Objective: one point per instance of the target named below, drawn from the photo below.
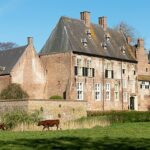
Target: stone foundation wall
(52, 109)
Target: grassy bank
(117, 136)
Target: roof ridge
(66, 17)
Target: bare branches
(127, 30)
(7, 45)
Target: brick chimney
(103, 22)
(30, 40)
(85, 16)
(129, 40)
(140, 43)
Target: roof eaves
(107, 57)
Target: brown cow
(49, 123)
(2, 126)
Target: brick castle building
(82, 61)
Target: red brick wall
(4, 82)
(57, 67)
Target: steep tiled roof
(69, 32)
(9, 58)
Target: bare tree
(127, 30)
(7, 45)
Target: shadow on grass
(72, 143)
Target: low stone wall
(10, 105)
(52, 109)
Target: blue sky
(22, 18)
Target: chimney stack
(140, 43)
(103, 22)
(85, 16)
(30, 40)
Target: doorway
(132, 103)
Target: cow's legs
(43, 128)
(57, 126)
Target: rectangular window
(116, 92)
(146, 85)
(89, 66)
(124, 82)
(143, 86)
(80, 91)
(109, 74)
(123, 71)
(125, 96)
(107, 91)
(79, 67)
(98, 91)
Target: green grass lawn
(117, 136)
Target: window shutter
(83, 71)
(112, 74)
(75, 71)
(106, 73)
(86, 72)
(141, 86)
(93, 72)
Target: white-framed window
(84, 42)
(79, 90)
(145, 85)
(107, 91)
(116, 92)
(109, 73)
(79, 66)
(125, 96)
(124, 82)
(97, 91)
(89, 66)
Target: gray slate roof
(9, 58)
(67, 37)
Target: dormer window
(104, 45)
(88, 32)
(2, 68)
(123, 49)
(84, 42)
(107, 37)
